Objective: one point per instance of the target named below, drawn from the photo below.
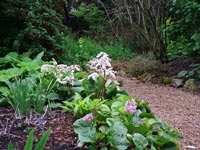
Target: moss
(166, 80)
(190, 84)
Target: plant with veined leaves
(123, 123)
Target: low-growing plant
(29, 142)
(18, 66)
(81, 106)
(194, 72)
(20, 96)
(124, 123)
(140, 65)
(25, 94)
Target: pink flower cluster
(88, 118)
(130, 106)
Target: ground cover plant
(108, 117)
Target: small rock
(177, 82)
(190, 84)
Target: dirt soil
(62, 136)
(174, 106)
(180, 109)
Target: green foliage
(33, 26)
(116, 121)
(29, 143)
(15, 66)
(82, 50)
(23, 94)
(182, 28)
(81, 106)
(20, 96)
(166, 80)
(192, 72)
(93, 16)
(112, 127)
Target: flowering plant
(64, 74)
(100, 69)
(114, 120)
(123, 124)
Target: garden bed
(62, 136)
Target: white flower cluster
(101, 66)
(64, 74)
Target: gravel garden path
(180, 109)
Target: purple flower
(138, 112)
(88, 118)
(130, 106)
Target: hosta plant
(14, 66)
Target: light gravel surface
(180, 109)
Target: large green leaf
(86, 131)
(140, 141)
(38, 58)
(11, 57)
(117, 135)
(29, 66)
(169, 146)
(53, 96)
(10, 73)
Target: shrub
(140, 65)
(33, 26)
(92, 16)
(182, 28)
